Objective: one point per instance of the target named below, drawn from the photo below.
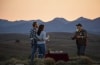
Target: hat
(79, 24)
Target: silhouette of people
(81, 39)
(33, 39)
(38, 39)
(41, 34)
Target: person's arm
(45, 37)
(31, 34)
(35, 35)
(74, 37)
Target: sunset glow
(48, 9)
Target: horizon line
(51, 19)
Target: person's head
(35, 24)
(79, 26)
(40, 29)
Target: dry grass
(58, 41)
(83, 60)
(61, 63)
(49, 61)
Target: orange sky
(48, 9)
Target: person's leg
(32, 42)
(82, 49)
(41, 50)
(44, 50)
(34, 49)
(78, 50)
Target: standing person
(33, 39)
(33, 32)
(41, 44)
(81, 40)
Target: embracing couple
(38, 39)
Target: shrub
(14, 61)
(38, 61)
(49, 61)
(72, 63)
(85, 60)
(17, 41)
(82, 60)
(60, 63)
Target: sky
(47, 10)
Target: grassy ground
(58, 42)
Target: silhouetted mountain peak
(3, 20)
(97, 19)
(82, 19)
(55, 25)
(59, 20)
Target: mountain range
(55, 25)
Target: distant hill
(55, 25)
